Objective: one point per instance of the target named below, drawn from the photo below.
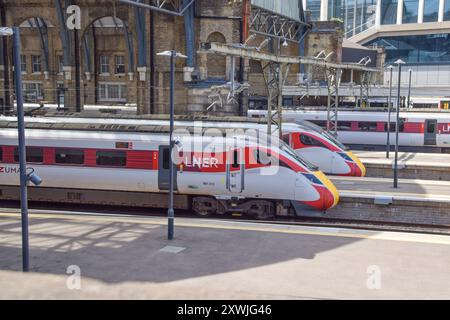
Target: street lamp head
(6, 31)
(399, 61)
(409, 70)
(169, 53)
(390, 67)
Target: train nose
(358, 169)
(329, 194)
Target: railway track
(294, 221)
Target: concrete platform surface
(129, 257)
(407, 188)
(405, 158)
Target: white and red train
(416, 129)
(307, 140)
(129, 165)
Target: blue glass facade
(431, 10)
(357, 15)
(410, 11)
(447, 10)
(388, 11)
(418, 49)
(314, 7)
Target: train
(308, 141)
(416, 129)
(128, 165)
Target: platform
(425, 202)
(129, 257)
(430, 166)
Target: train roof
(371, 116)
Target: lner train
(309, 141)
(416, 129)
(129, 165)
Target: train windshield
(286, 148)
(324, 133)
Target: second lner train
(308, 140)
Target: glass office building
(414, 44)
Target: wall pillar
(323, 10)
(378, 13)
(420, 11)
(441, 10)
(399, 11)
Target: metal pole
(388, 143)
(77, 73)
(409, 88)
(22, 150)
(170, 212)
(397, 126)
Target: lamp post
(409, 89)
(388, 142)
(399, 63)
(24, 177)
(170, 212)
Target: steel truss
(275, 75)
(366, 77)
(271, 24)
(276, 69)
(333, 82)
(172, 7)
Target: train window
(69, 156)
(431, 127)
(34, 155)
(367, 126)
(1, 154)
(166, 159)
(310, 141)
(235, 159)
(111, 158)
(262, 157)
(286, 139)
(401, 126)
(344, 126)
(320, 123)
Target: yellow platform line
(298, 230)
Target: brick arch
(122, 12)
(51, 18)
(216, 64)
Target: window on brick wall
(120, 64)
(36, 64)
(23, 63)
(32, 91)
(112, 92)
(59, 60)
(104, 64)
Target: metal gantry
(269, 24)
(275, 75)
(365, 89)
(276, 69)
(172, 7)
(333, 82)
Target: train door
(163, 169)
(430, 132)
(235, 173)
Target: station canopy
(287, 8)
